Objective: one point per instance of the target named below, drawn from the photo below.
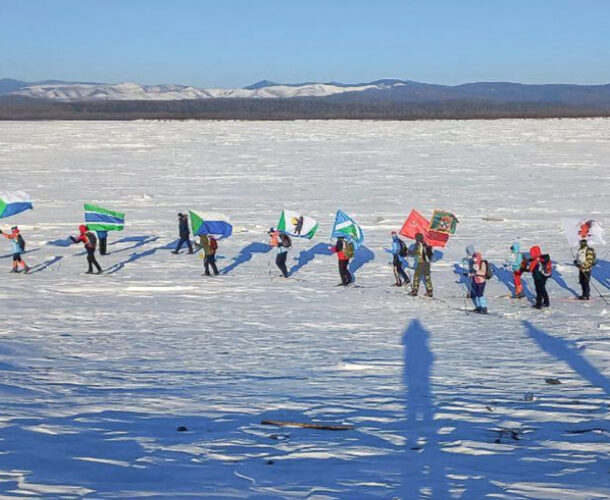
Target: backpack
(489, 272)
(403, 250)
(92, 239)
(21, 242)
(286, 241)
(348, 249)
(428, 253)
(546, 266)
(213, 243)
(592, 250)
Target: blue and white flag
(347, 228)
(13, 203)
(102, 219)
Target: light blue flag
(346, 227)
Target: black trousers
(399, 272)
(103, 242)
(210, 261)
(584, 278)
(346, 276)
(182, 241)
(542, 297)
(280, 262)
(92, 261)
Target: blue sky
(231, 43)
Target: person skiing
(210, 246)
(102, 238)
(468, 268)
(423, 256)
(184, 232)
(345, 251)
(399, 250)
(541, 268)
(585, 260)
(478, 275)
(18, 248)
(282, 242)
(89, 240)
(517, 263)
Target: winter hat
(15, 229)
(470, 250)
(419, 237)
(82, 228)
(393, 233)
(535, 252)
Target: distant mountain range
(379, 91)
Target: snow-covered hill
(596, 96)
(135, 91)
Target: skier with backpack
(585, 260)
(345, 251)
(423, 254)
(209, 244)
(282, 242)
(89, 240)
(481, 272)
(399, 251)
(517, 264)
(18, 248)
(468, 268)
(541, 268)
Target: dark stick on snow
(308, 425)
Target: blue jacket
(395, 245)
(15, 246)
(102, 234)
(516, 258)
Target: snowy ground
(97, 373)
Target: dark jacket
(183, 227)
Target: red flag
(417, 223)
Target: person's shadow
(306, 256)
(246, 254)
(601, 272)
(425, 465)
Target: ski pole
(598, 292)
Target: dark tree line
(12, 108)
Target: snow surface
(135, 91)
(97, 373)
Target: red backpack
(213, 243)
(546, 265)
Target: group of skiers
(474, 266)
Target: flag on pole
(210, 224)
(443, 222)
(417, 223)
(12, 203)
(102, 219)
(346, 227)
(583, 229)
(295, 224)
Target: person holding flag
(423, 255)
(18, 248)
(345, 251)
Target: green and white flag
(296, 224)
(102, 219)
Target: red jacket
(535, 254)
(340, 253)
